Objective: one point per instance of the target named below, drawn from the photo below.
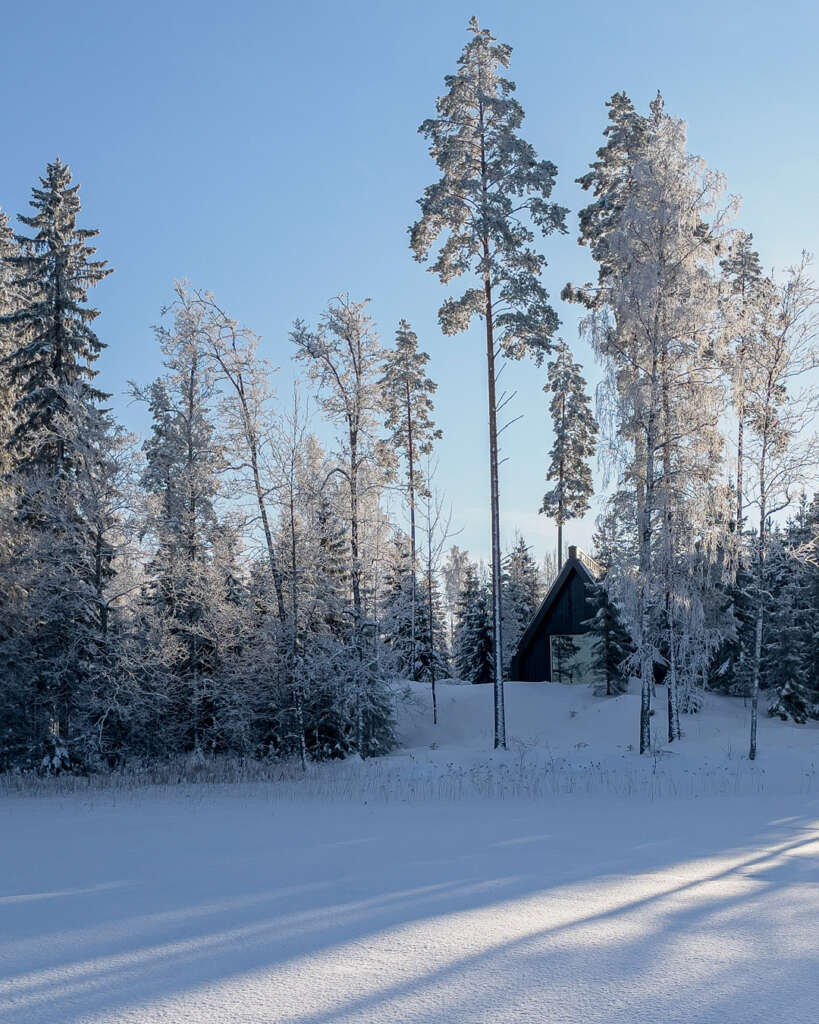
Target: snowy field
(565, 881)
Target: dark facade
(561, 613)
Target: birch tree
(780, 408)
(491, 199)
(344, 359)
(655, 227)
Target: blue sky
(269, 152)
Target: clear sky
(269, 152)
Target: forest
(234, 584)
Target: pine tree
(575, 431)
(408, 403)
(490, 179)
(742, 274)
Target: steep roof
(579, 562)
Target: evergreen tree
(490, 178)
(575, 431)
(520, 596)
(743, 278)
(182, 466)
(407, 627)
(790, 668)
(54, 345)
(612, 644)
(408, 404)
(8, 303)
(53, 638)
(474, 651)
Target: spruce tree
(54, 346)
(520, 596)
(492, 186)
(8, 304)
(575, 431)
(474, 651)
(56, 437)
(611, 642)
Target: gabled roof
(579, 562)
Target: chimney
(572, 553)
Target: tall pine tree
(491, 183)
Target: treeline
(229, 585)
(233, 585)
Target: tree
(408, 404)
(575, 431)
(344, 360)
(8, 303)
(743, 279)
(521, 591)
(655, 227)
(454, 574)
(54, 346)
(611, 642)
(492, 188)
(778, 413)
(53, 637)
(474, 651)
(183, 463)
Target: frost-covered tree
(183, 464)
(575, 431)
(521, 590)
(8, 303)
(611, 642)
(779, 408)
(345, 360)
(54, 346)
(408, 391)
(245, 409)
(490, 199)
(744, 287)
(51, 638)
(454, 573)
(655, 227)
(474, 651)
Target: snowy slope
(401, 890)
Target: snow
(437, 885)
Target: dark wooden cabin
(549, 649)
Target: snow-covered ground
(565, 881)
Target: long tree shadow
(113, 958)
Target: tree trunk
(431, 626)
(411, 492)
(646, 659)
(760, 595)
(560, 515)
(494, 498)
